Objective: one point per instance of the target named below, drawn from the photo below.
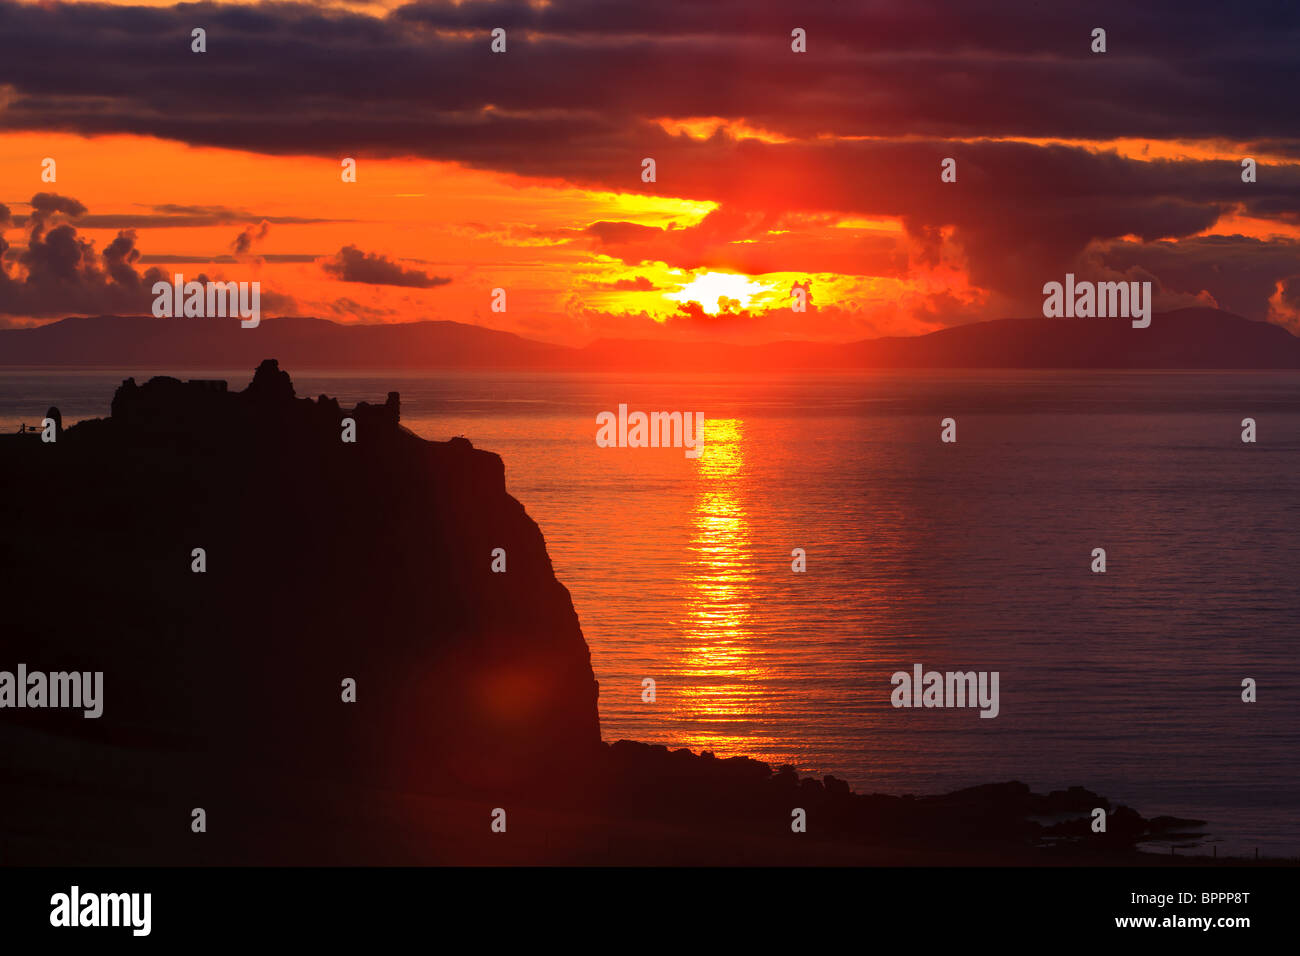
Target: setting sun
(719, 292)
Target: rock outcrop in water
(324, 561)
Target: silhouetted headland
(324, 561)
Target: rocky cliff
(322, 561)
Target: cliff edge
(228, 560)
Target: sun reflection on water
(720, 670)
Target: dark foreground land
(371, 561)
(635, 805)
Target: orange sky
(483, 230)
(569, 251)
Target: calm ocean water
(973, 556)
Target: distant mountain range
(1182, 339)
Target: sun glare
(710, 289)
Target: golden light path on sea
(721, 672)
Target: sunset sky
(522, 170)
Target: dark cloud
(243, 244)
(170, 216)
(1239, 273)
(120, 257)
(416, 81)
(49, 207)
(276, 303)
(59, 273)
(1290, 291)
(353, 265)
(277, 257)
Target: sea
(971, 555)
